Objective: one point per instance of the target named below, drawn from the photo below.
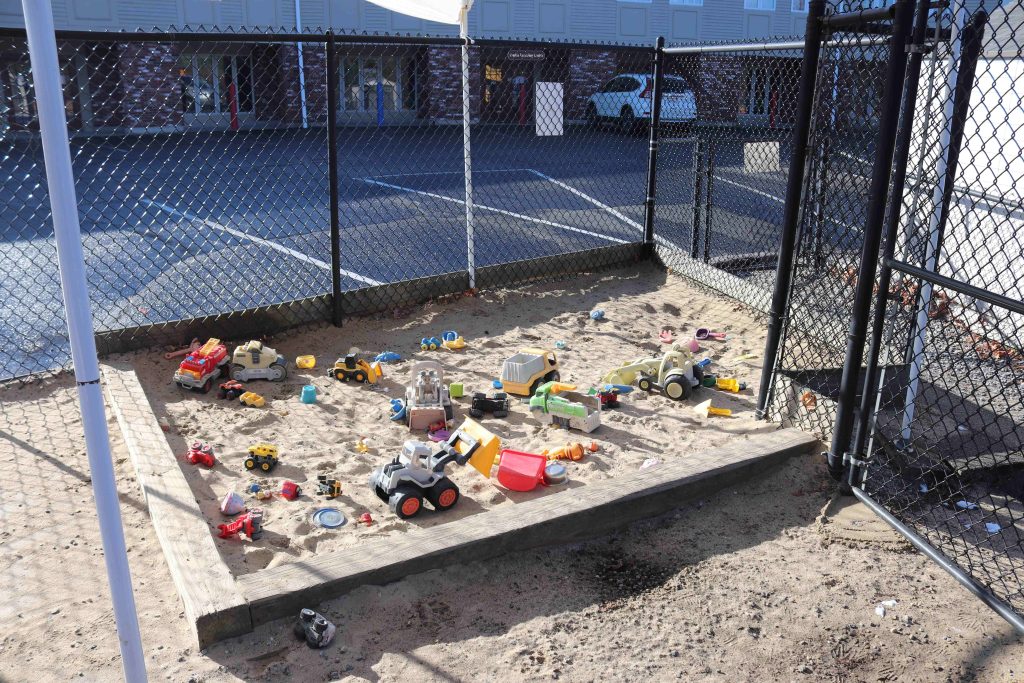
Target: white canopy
(443, 11)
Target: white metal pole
(42, 45)
(467, 156)
(302, 66)
(932, 249)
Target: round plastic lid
(329, 518)
(555, 473)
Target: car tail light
(647, 89)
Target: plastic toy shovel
(704, 409)
(705, 333)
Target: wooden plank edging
(214, 606)
(570, 516)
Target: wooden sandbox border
(219, 606)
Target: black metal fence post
(652, 158)
(709, 204)
(794, 186)
(878, 199)
(332, 159)
(698, 191)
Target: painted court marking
(484, 207)
(593, 200)
(258, 240)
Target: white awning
(443, 11)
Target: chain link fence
(203, 164)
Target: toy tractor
(675, 374)
(252, 360)
(263, 456)
(418, 472)
(353, 368)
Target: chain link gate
(898, 313)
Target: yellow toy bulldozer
(353, 368)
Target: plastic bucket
(520, 471)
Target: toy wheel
(449, 412)
(237, 373)
(678, 388)
(698, 375)
(475, 413)
(222, 394)
(500, 414)
(277, 372)
(250, 464)
(406, 503)
(359, 376)
(265, 466)
(552, 376)
(536, 383)
(207, 385)
(340, 376)
(644, 384)
(444, 495)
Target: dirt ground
(322, 438)
(748, 584)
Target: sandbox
(653, 452)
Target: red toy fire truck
(200, 368)
(200, 452)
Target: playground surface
(323, 438)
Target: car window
(628, 84)
(676, 84)
(612, 85)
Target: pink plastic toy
(520, 471)
(705, 333)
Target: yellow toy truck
(353, 368)
(261, 455)
(524, 372)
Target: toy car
(251, 398)
(497, 405)
(231, 389)
(609, 398)
(200, 452)
(250, 524)
(314, 629)
(351, 367)
(252, 360)
(200, 368)
(262, 455)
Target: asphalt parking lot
(182, 225)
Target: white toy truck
(427, 399)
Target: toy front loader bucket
(377, 369)
(483, 459)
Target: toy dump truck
(353, 368)
(200, 368)
(558, 404)
(418, 472)
(524, 372)
(675, 374)
(252, 360)
(427, 398)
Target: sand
(750, 584)
(322, 438)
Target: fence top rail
(257, 36)
(846, 41)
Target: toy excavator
(675, 374)
(419, 472)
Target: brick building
(113, 87)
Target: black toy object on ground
(497, 405)
(314, 628)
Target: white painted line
(780, 200)
(593, 200)
(484, 207)
(258, 240)
(459, 173)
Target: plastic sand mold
(329, 518)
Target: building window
(212, 84)
(690, 3)
(17, 98)
(393, 79)
(799, 6)
(766, 5)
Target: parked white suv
(626, 98)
